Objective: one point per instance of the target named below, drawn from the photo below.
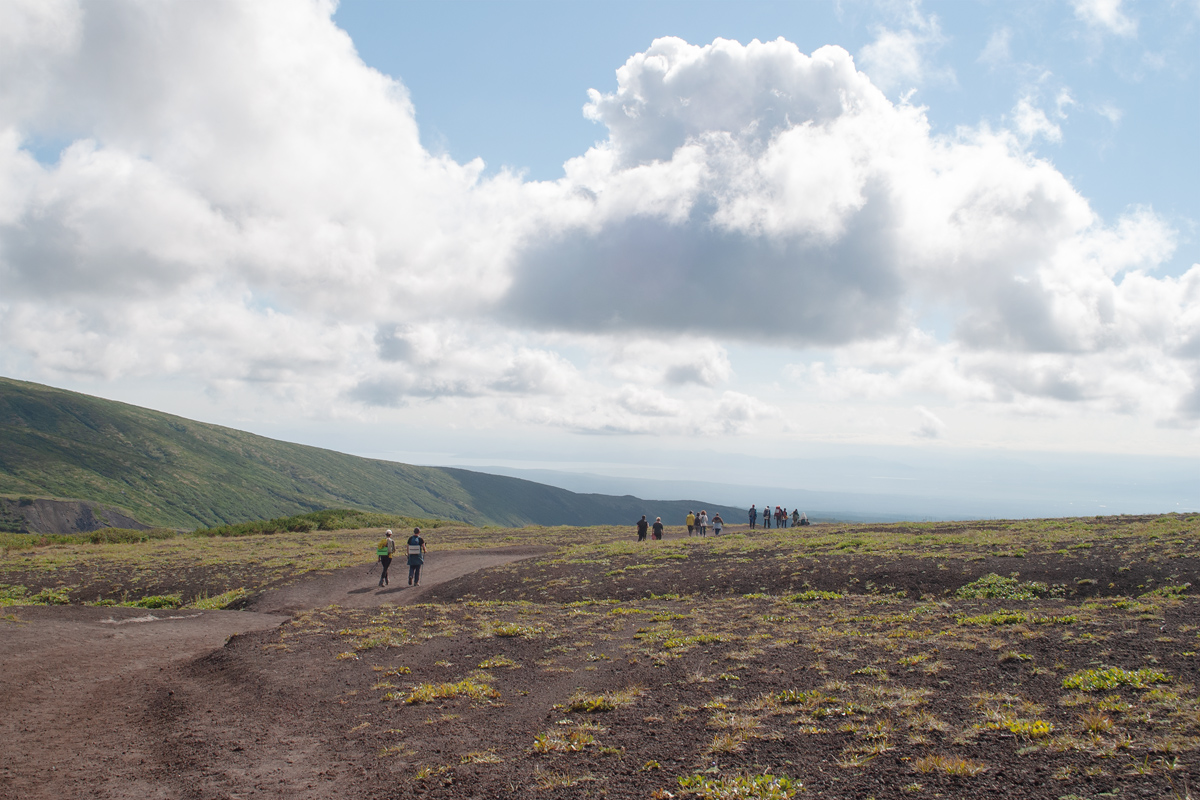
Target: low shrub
(997, 587)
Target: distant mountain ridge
(161, 469)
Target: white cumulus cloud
(1106, 15)
(243, 201)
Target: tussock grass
(731, 787)
(950, 765)
(599, 703)
(469, 688)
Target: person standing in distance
(642, 527)
(717, 523)
(753, 516)
(416, 557)
(690, 521)
(703, 522)
(658, 528)
(385, 550)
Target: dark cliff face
(62, 516)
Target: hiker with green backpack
(384, 550)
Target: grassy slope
(167, 470)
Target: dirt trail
(357, 587)
(75, 680)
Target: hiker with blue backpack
(416, 557)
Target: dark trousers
(414, 573)
(386, 561)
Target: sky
(745, 243)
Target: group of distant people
(698, 524)
(780, 516)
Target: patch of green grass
(995, 618)
(58, 596)
(555, 741)
(1095, 680)
(220, 601)
(507, 630)
(12, 595)
(496, 662)
(813, 596)
(156, 601)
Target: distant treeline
(334, 519)
(26, 541)
(331, 519)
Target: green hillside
(167, 470)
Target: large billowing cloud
(240, 199)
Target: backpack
(381, 549)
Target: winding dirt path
(74, 679)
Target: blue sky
(690, 241)
(507, 81)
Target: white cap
(389, 533)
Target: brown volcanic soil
(879, 680)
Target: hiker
(703, 522)
(767, 515)
(795, 517)
(658, 528)
(753, 516)
(691, 522)
(804, 519)
(642, 528)
(385, 549)
(778, 517)
(718, 523)
(416, 557)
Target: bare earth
(516, 673)
(76, 681)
